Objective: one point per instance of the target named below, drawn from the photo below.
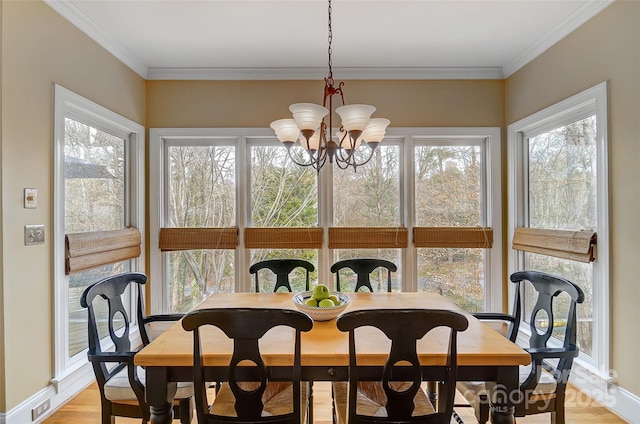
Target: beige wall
(604, 49)
(41, 48)
(257, 103)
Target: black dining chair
(363, 267)
(282, 268)
(261, 399)
(397, 396)
(120, 382)
(553, 317)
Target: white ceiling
(372, 39)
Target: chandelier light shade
(312, 127)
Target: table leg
(502, 406)
(160, 395)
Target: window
(558, 178)
(449, 191)
(97, 188)
(280, 209)
(370, 197)
(201, 193)
(282, 195)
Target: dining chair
(398, 397)
(120, 382)
(259, 400)
(282, 268)
(552, 328)
(363, 267)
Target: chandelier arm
(311, 162)
(340, 155)
(350, 160)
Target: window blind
(283, 238)
(574, 245)
(453, 237)
(93, 249)
(172, 238)
(367, 237)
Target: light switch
(30, 198)
(33, 234)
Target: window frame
(592, 101)
(403, 137)
(68, 104)
(491, 213)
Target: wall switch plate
(30, 198)
(33, 234)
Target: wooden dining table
(483, 353)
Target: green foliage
(283, 194)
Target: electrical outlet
(33, 234)
(40, 409)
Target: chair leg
(310, 404)
(107, 417)
(482, 409)
(456, 417)
(557, 416)
(186, 410)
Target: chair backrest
(363, 267)
(542, 319)
(112, 289)
(118, 324)
(282, 268)
(246, 326)
(544, 323)
(404, 327)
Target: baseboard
(58, 392)
(606, 393)
(2, 418)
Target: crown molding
(319, 73)
(571, 23)
(74, 15)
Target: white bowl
(321, 314)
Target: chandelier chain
(330, 39)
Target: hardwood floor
(85, 409)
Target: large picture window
(558, 177)
(278, 209)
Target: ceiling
(372, 39)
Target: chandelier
(312, 127)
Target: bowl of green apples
(320, 303)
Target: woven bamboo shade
(574, 245)
(367, 237)
(198, 238)
(283, 238)
(94, 249)
(453, 237)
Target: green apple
(335, 299)
(326, 303)
(311, 302)
(320, 292)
